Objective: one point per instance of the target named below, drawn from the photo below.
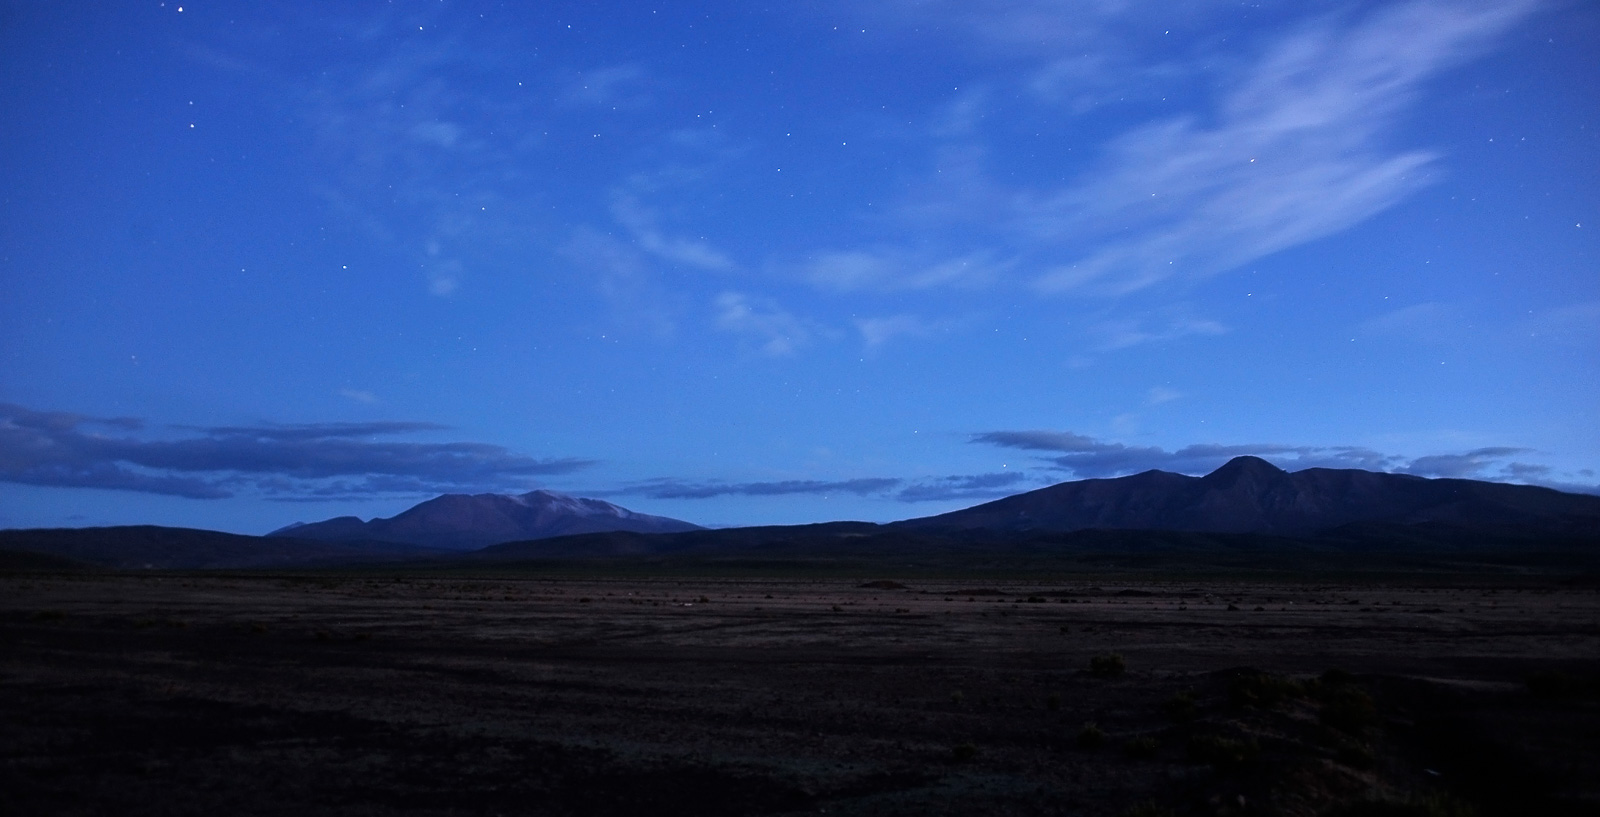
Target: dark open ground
(530, 693)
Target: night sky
(738, 263)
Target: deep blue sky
(267, 262)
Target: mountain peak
(463, 521)
(1246, 466)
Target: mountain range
(1251, 495)
(472, 521)
(1246, 512)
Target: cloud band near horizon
(330, 460)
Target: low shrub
(963, 752)
(1148, 808)
(1223, 753)
(1348, 709)
(1262, 690)
(1180, 708)
(1091, 736)
(1557, 684)
(1108, 665)
(1142, 748)
(1355, 756)
(1429, 805)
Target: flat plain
(527, 693)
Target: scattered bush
(1431, 805)
(1355, 756)
(1108, 665)
(1262, 690)
(1091, 736)
(1180, 708)
(1556, 684)
(1143, 748)
(964, 752)
(1053, 703)
(1334, 676)
(1223, 753)
(956, 697)
(1147, 808)
(1348, 709)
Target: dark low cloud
(1086, 457)
(333, 460)
(1467, 465)
(975, 487)
(681, 489)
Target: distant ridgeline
(1246, 512)
(469, 522)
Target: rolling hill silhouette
(469, 522)
(1251, 495)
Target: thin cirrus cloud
(1295, 151)
(62, 449)
(1124, 333)
(1298, 142)
(774, 331)
(642, 223)
(875, 332)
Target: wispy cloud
(641, 222)
(1575, 323)
(1431, 322)
(893, 269)
(624, 85)
(626, 279)
(413, 150)
(1297, 149)
(1277, 140)
(774, 331)
(875, 332)
(62, 449)
(1126, 332)
(1161, 394)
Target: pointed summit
(1246, 467)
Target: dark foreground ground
(253, 694)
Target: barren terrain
(516, 694)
